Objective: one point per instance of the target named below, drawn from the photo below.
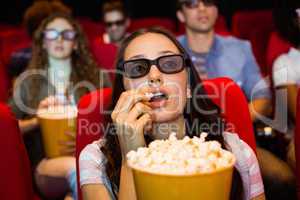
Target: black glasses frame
(117, 23)
(153, 62)
(195, 3)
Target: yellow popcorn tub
(54, 123)
(214, 185)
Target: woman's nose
(60, 38)
(155, 76)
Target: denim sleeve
(255, 86)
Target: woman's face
(173, 86)
(62, 46)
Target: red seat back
(91, 28)
(105, 55)
(15, 172)
(5, 27)
(226, 94)
(166, 23)
(4, 83)
(11, 41)
(223, 91)
(255, 26)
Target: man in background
(116, 22)
(218, 56)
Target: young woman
(59, 71)
(152, 61)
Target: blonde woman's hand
(48, 102)
(132, 116)
(68, 148)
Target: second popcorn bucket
(54, 123)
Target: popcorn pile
(181, 157)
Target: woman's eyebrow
(137, 56)
(166, 52)
(159, 53)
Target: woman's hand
(68, 147)
(48, 102)
(132, 116)
(27, 125)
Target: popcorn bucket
(54, 123)
(214, 185)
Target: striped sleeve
(246, 164)
(256, 183)
(92, 165)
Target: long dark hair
(111, 149)
(286, 20)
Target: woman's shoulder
(92, 152)
(92, 164)
(244, 153)
(246, 164)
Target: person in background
(60, 66)
(286, 77)
(217, 56)
(116, 22)
(33, 16)
(286, 71)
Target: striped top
(92, 166)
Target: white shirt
(59, 74)
(286, 69)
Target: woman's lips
(59, 48)
(158, 103)
(157, 99)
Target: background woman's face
(59, 48)
(174, 86)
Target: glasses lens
(171, 64)
(51, 34)
(195, 3)
(120, 22)
(136, 68)
(209, 2)
(69, 34)
(191, 3)
(117, 23)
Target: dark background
(12, 10)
